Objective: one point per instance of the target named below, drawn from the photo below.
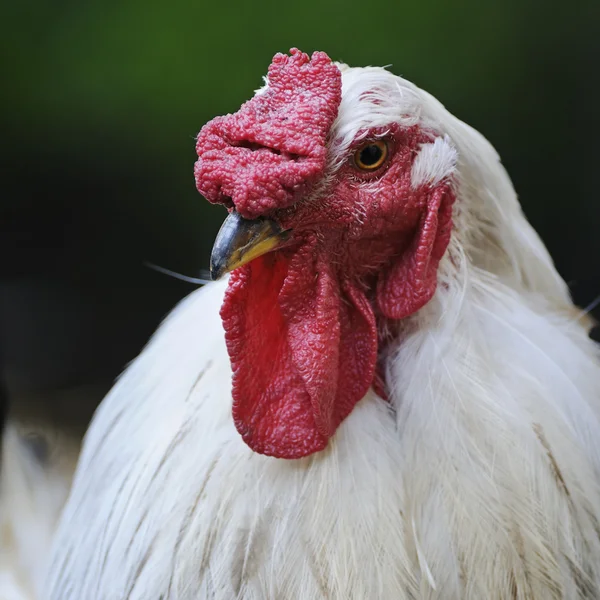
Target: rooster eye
(371, 156)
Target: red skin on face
(301, 323)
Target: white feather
(435, 162)
(480, 479)
(32, 495)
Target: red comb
(268, 153)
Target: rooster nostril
(227, 202)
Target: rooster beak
(240, 240)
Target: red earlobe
(410, 282)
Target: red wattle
(303, 347)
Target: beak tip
(216, 271)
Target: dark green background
(101, 102)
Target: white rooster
(414, 410)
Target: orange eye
(371, 156)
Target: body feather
(33, 490)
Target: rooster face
(341, 207)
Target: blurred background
(100, 105)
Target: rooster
(396, 401)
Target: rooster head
(340, 205)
